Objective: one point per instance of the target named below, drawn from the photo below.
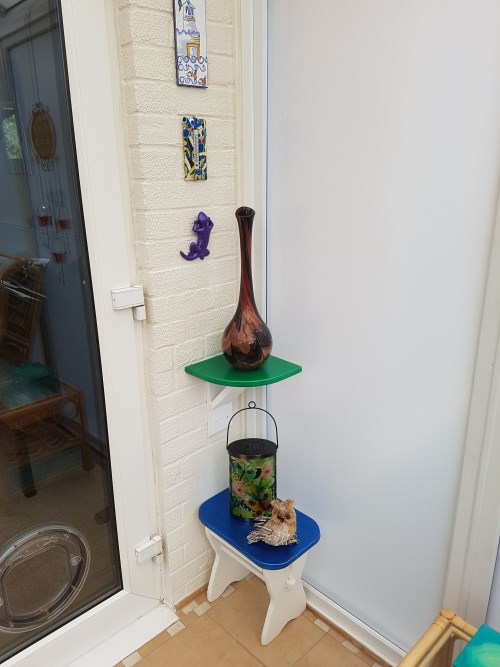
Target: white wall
(384, 128)
(188, 304)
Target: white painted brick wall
(188, 304)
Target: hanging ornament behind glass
(58, 252)
(41, 130)
(43, 136)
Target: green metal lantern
(252, 472)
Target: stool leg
(288, 599)
(225, 569)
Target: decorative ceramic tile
(131, 660)
(175, 628)
(189, 607)
(322, 625)
(194, 136)
(350, 647)
(190, 43)
(201, 609)
(230, 589)
(202, 597)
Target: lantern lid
(252, 448)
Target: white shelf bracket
(217, 397)
(220, 406)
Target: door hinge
(147, 550)
(130, 297)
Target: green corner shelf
(217, 370)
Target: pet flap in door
(42, 570)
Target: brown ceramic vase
(246, 341)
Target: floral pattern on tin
(253, 486)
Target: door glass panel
(58, 540)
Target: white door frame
(94, 79)
(252, 141)
(91, 52)
(477, 526)
(252, 94)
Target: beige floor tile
(176, 628)
(310, 615)
(243, 613)
(202, 598)
(322, 625)
(366, 658)
(350, 646)
(203, 644)
(328, 652)
(188, 618)
(131, 660)
(202, 609)
(313, 617)
(155, 643)
(188, 608)
(336, 635)
(230, 589)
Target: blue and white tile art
(190, 43)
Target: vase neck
(245, 226)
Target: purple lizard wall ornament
(202, 226)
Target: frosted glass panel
(382, 190)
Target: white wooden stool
(279, 567)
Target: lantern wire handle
(251, 406)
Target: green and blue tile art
(194, 136)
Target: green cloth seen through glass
(483, 650)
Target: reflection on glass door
(58, 544)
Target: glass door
(59, 543)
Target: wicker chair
(436, 646)
(20, 307)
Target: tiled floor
(226, 633)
